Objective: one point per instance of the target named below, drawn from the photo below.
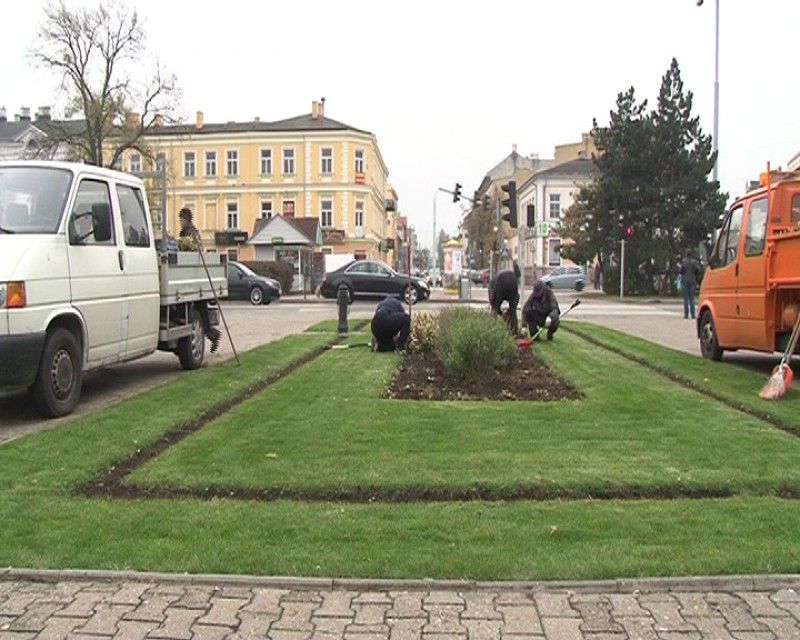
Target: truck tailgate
(182, 277)
(784, 266)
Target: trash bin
(464, 290)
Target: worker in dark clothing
(690, 278)
(541, 309)
(504, 287)
(189, 240)
(391, 325)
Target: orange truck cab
(750, 296)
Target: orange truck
(750, 296)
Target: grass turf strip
(324, 433)
(44, 526)
(732, 383)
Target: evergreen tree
(650, 180)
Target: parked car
(479, 276)
(566, 278)
(82, 284)
(370, 278)
(245, 284)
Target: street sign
(543, 228)
(277, 239)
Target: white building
(550, 192)
(21, 137)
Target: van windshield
(32, 198)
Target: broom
(782, 375)
(525, 343)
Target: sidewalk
(205, 608)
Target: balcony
(391, 205)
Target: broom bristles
(778, 383)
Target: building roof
(291, 231)
(11, 131)
(305, 122)
(572, 169)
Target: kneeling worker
(504, 287)
(541, 309)
(391, 325)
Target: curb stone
(622, 585)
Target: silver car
(566, 278)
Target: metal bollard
(343, 299)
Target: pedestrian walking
(596, 275)
(689, 275)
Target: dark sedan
(372, 279)
(245, 284)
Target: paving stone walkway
(138, 610)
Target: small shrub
(423, 333)
(283, 272)
(473, 343)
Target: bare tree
(97, 51)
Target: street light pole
(715, 136)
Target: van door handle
(121, 256)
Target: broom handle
(219, 306)
(561, 315)
(792, 342)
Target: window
(136, 162)
(326, 161)
(756, 228)
(359, 161)
(288, 209)
(134, 218)
(361, 267)
(161, 162)
(326, 213)
(232, 167)
(211, 164)
(91, 221)
(359, 214)
(233, 255)
(288, 162)
(266, 209)
(188, 164)
(796, 209)
(266, 162)
(555, 205)
(233, 215)
(381, 270)
(730, 237)
(554, 258)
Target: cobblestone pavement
(84, 609)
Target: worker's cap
(538, 288)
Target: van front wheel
(709, 342)
(58, 381)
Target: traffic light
(486, 201)
(457, 193)
(510, 203)
(628, 232)
(530, 212)
(476, 200)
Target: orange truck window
(796, 209)
(756, 228)
(732, 248)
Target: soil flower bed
(423, 376)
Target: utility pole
(715, 136)
(622, 270)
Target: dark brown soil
(422, 376)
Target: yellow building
(231, 174)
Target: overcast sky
(448, 87)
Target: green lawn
(625, 413)
(326, 428)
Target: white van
(82, 285)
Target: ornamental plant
(473, 343)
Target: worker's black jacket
(503, 287)
(389, 322)
(541, 307)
